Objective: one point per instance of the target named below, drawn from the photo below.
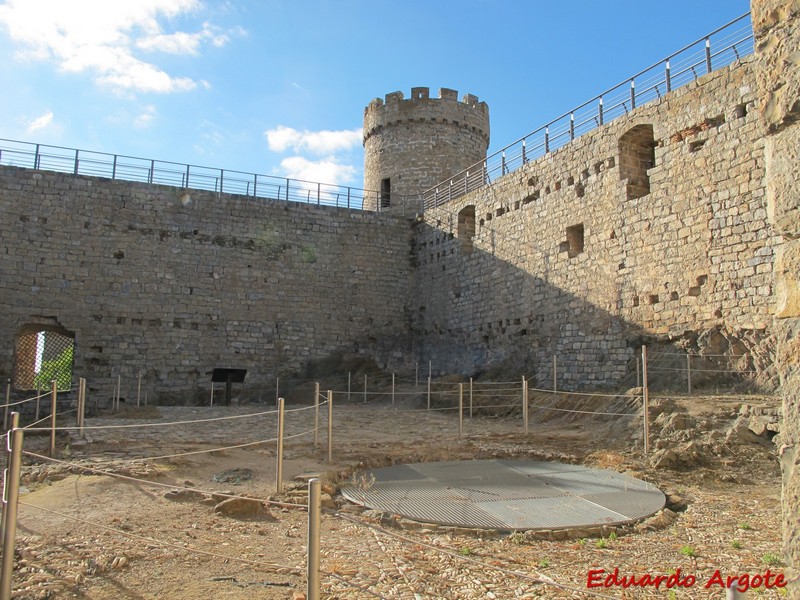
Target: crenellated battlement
(446, 109)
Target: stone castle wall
(173, 283)
(654, 224)
(419, 142)
(776, 25)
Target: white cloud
(281, 139)
(325, 171)
(146, 118)
(102, 36)
(41, 122)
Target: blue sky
(279, 88)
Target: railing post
(600, 110)
(314, 522)
(287, 189)
(503, 163)
(470, 397)
(9, 458)
(708, 55)
(348, 197)
(460, 410)
(279, 466)
(37, 158)
(53, 409)
(330, 426)
(668, 78)
(77, 162)
(316, 414)
(645, 402)
(114, 168)
(547, 140)
(633, 94)
(222, 181)
(525, 404)
(186, 185)
(572, 126)
(255, 185)
(524, 153)
(152, 169)
(81, 405)
(10, 512)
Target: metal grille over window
(41, 357)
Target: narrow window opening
(466, 227)
(574, 243)
(637, 155)
(386, 192)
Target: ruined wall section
(176, 282)
(417, 142)
(654, 224)
(776, 26)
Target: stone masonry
(776, 24)
(172, 283)
(411, 145)
(652, 225)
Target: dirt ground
(100, 537)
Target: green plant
(601, 543)
(744, 526)
(582, 541)
(771, 559)
(308, 254)
(544, 563)
(516, 537)
(58, 369)
(612, 536)
(688, 551)
(465, 551)
(736, 544)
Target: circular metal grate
(507, 494)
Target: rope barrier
(565, 393)
(584, 412)
(158, 424)
(157, 483)
(539, 578)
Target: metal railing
(129, 168)
(718, 49)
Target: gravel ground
(86, 535)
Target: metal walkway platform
(507, 495)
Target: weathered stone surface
(242, 508)
(776, 25)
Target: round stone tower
(411, 145)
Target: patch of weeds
(602, 543)
(517, 537)
(308, 254)
(582, 541)
(736, 544)
(612, 536)
(688, 551)
(465, 551)
(771, 559)
(744, 526)
(543, 563)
